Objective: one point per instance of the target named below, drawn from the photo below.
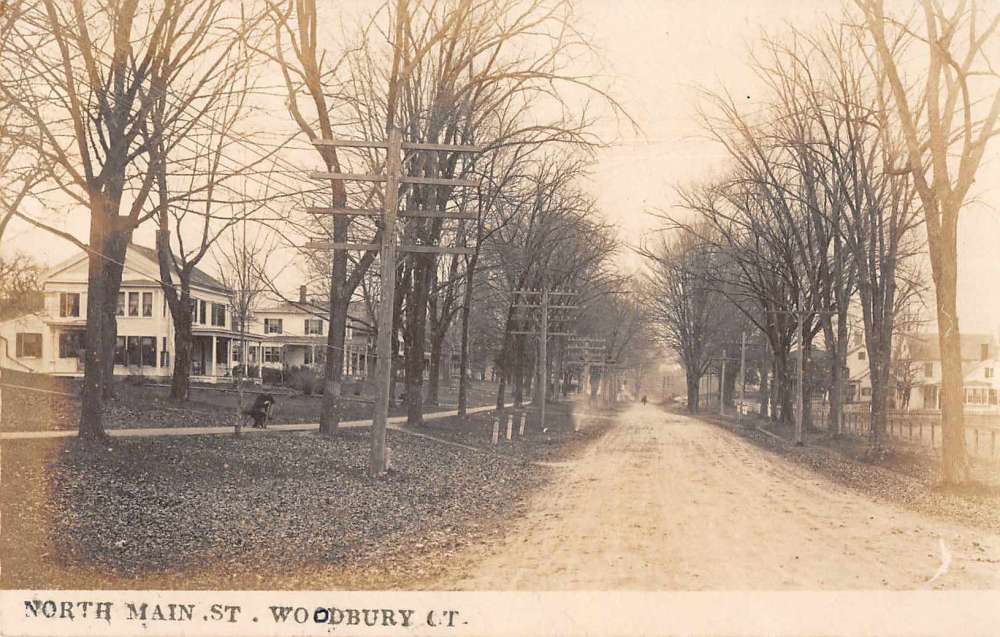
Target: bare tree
(97, 70)
(687, 309)
(946, 127)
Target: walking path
(145, 432)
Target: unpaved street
(668, 502)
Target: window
(69, 304)
(989, 372)
(29, 345)
(314, 327)
(861, 355)
(147, 307)
(71, 343)
(133, 304)
(218, 314)
(272, 354)
(121, 304)
(120, 351)
(194, 310)
(984, 351)
(928, 369)
(272, 326)
(993, 396)
(148, 348)
(237, 352)
(307, 357)
(857, 339)
(134, 356)
(202, 305)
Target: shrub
(252, 371)
(271, 375)
(304, 379)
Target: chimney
(302, 294)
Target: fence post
(510, 426)
(496, 429)
(520, 431)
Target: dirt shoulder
(903, 474)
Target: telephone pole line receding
(539, 299)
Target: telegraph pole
(743, 377)
(393, 179)
(800, 392)
(539, 299)
(722, 386)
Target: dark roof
(926, 347)
(198, 277)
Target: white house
(295, 333)
(51, 341)
(979, 369)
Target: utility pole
(800, 391)
(722, 386)
(743, 376)
(393, 179)
(539, 299)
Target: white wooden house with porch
(294, 334)
(51, 341)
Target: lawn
(149, 405)
(278, 510)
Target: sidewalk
(148, 432)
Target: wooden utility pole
(722, 386)
(743, 376)
(539, 299)
(799, 394)
(393, 179)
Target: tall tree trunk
(463, 375)
(416, 326)
(115, 247)
(92, 408)
(333, 366)
(180, 380)
(692, 382)
(765, 388)
(434, 368)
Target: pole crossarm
(361, 143)
(364, 247)
(538, 333)
(372, 212)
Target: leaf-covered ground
(277, 510)
(150, 405)
(904, 474)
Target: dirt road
(666, 502)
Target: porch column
(214, 357)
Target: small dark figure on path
(260, 411)
(643, 400)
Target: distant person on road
(643, 400)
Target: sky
(655, 54)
